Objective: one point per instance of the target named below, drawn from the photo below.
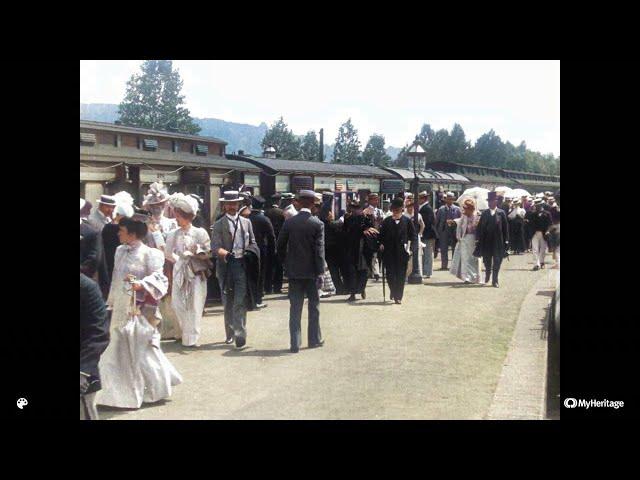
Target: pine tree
(153, 100)
(283, 140)
(347, 147)
(310, 148)
(374, 153)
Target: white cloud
(520, 100)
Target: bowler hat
(397, 203)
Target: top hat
(492, 196)
(231, 196)
(107, 200)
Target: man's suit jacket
(429, 219)
(89, 249)
(441, 218)
(276, 215)
(94, 330)
(301, 246)
(221, 238)
(492, 233)
(263, 230)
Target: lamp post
(419, 156)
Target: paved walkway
(439, 355)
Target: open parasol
(520, 192)
(505, 192)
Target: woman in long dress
(188, 249)
(464, 265)
(516, 233)
(133, 368)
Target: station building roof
(275, 166)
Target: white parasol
(519, 192)
(505, 192)
(478, 194)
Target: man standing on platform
(540, 222)
(429, 234)
(232, 235)
(273, 279)
(395, 234)
(492, 237)
(301, 249)
(376, 216)
(266, 240)
(446, 228)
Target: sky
(519, 100)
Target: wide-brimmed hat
(157, 193)
(231, 196)
(107, 200)
(184, 202)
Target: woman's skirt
(464, 265)
(133, 368)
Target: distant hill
(240, 136)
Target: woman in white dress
(464, 265)
(133, 368)
(188, 249)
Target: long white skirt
(189, 310)
(464, 265)
(133, 368)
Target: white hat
(450, 195)
(157, 193)
(82, 203)
(123, 198)
(184, 202)
(124, 210)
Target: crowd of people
(151, 267)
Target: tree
(456, 147)
(310, 148)
(283, 140)
(347, 147)
(375, 153)
(153, 99)
(489, 151)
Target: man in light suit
(446, 228)
(301, 249)
(232, 236)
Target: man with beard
(356, 227)
(395, 234)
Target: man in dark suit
(357, 227)
(429, 234)
(492, 238)
(301, 250)
(446, 228)
(266, 240)
(94, 339)
(273, 275)
(396, 232)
